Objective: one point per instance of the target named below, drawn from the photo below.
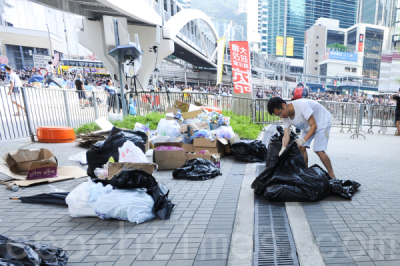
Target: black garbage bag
(246, 150)
(344, 188)
(275, 145)
(103, 150)
(139, 179)
(290, 179)
(20, 251)
(197, 169)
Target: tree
(338, 46)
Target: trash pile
(287, 178)
(20, 252)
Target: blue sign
(352, 57)
(2, 67)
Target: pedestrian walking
(312, 119)
(81, 91)
(15, 84)
(110, 90)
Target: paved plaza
(201, 231)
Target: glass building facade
(22, 56)
(378, 12)
(372, 52)
(302, 14)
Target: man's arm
(286, 137)
(313, 128)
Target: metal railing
(56, 107)
(47, 107)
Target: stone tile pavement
(366, 230)
(198, 233)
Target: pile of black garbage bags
(287, 177)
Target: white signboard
(41, 60)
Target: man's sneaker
(397, 134)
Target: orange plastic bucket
(55, 134)
(210, 109)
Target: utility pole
(51, 47)
(284, 90)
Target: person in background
(313, 120)
(81, 91)
(50, 68)
(15, 83)
(110, 90)
(396, 97)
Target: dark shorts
(397, 115)
(81, 95)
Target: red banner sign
(241, 70)
(361, 43)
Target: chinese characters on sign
(241, 70)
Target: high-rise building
(264, 27)
(235, 33)
(242, 6)
(377, 12)
(259, 9)
(184, 4)
(301, 15)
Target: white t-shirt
(50, 69)
(303, 109)
(15, 79)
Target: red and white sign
(3, 59)
(56, 59)
(93, 57)
(241, 70)
(361, 43)
(43, 71)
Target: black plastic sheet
(197, 169)
(20, 251)
(100, 153)
(344, 188)
(139, 179)
(246, 150)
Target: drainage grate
(273, 240)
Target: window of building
(264, 31)
(334, 36)
(264, 49)
(347, 69)
(353, 69)
(316, 45)
(315, 68)
(316, 60)
(316, 52)
(317, 37)
(264, 37)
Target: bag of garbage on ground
(24, 252)
(129, 179)
(99, 153)
(287, 178)
(80, 157)
(130, 153)
(134, 205)
(169, 128)
(197, 169)
(80, 198)
(246, 150)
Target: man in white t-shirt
(312, 119)
(50, 68)
(15, 84)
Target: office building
(264, 27)
(302, 15)
(184, 4)
(23, 32)
(361, 58)
(377, 12)
(235, 33)
(242, 6)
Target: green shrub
(129, 121)
(243, 125)
(87, 128)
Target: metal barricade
(261, 115)
(47, 107)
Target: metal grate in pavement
(273, 240)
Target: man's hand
(300, 142)
(282, 150)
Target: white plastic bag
(134, 205)
(141, 127)
(80, 157)
(130, 153)
(169, 128)
(224, 132)
(77, 199)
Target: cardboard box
(169, 159)
(115, 168)
(28, 167)
(188, 147)
(213, 157)
(198, 126)
(231, 141)
(188, 110)
(216, 146)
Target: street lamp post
(51, 48)
(284, 90)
